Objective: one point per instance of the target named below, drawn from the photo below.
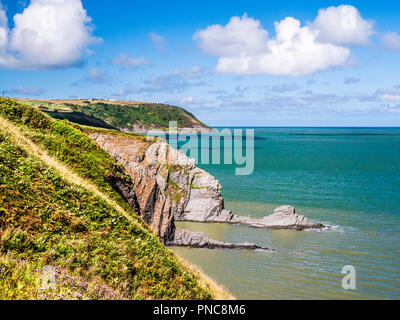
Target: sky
(231, 63)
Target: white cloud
(4, 30)
(242, 35)
(294, 51)
(187, 100)
(390, 97)
(390, 107)
(128, 61)
(342, 25)
(391, 41)
(47, 34)
(243, 46)
(190, 102)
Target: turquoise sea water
(346, 177)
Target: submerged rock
(284, 217)
(193, 239)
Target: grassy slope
(83, 228)
(80, 118)
(124, 115)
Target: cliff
(93, 203)
(170, 187)
(62, 209)
(167, 184)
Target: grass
(119, 115)
(56, 208)
(30, 281)
(147, 115)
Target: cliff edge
(169, 187)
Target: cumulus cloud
(390, 40)
(244, 47)
(47, 34)
(126, 60)
(242, 35)
(26, 91)
(4, 30)
(342, 25)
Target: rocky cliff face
(166, 183)
(167, 186)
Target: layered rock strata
(167, 186)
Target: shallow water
(346, 177)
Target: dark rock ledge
(186, 238)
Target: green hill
(57, 209)
(124, 115)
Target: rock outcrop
(150, 180)
(200, 240)
(167, 186)
(284, 217)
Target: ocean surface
(348, 178)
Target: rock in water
(193, 239)
(285, 217)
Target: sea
(347, 178)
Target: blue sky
(325, 63)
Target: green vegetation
(119, 115)
(30, 280)
(146, 115)
(45, 219)
(79, 118)
(46, 105)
